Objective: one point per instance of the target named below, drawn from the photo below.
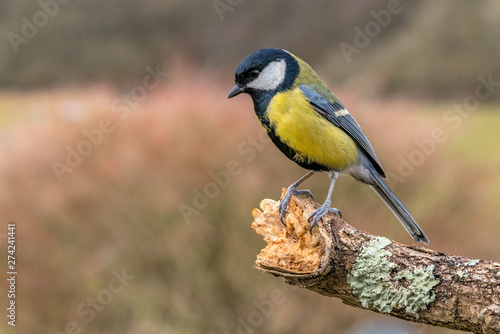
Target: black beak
(237, 89)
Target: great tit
(310, 125)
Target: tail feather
(398, 209)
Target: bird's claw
(282, 215)
(323, 210)
(286, 199)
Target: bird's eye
(254, 74)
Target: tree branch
(366, 271)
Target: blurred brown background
(132, 178)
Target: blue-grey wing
(335, 112)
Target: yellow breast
(311, 136)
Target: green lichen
(371, 280)
(465, 273)
(471, 263)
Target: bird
(310, 126)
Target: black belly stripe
(291, 153)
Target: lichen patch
(371, 280)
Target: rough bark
(408, 282)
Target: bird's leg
(292, 190)
(325, 208)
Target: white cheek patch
(271, 76)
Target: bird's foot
(323, 210)
(286, 199)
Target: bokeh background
(132, 178)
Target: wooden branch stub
(375, 273)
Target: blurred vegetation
(426, 48)
(119, 207)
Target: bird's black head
(265, 70)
